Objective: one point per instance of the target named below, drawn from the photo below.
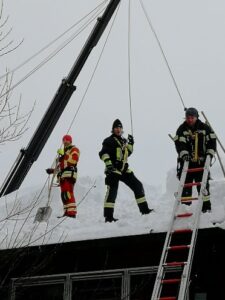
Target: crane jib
(27, 156)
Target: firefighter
(67, 175)
(195, 140)
(114, 153)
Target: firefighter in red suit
(67, 175)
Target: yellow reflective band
(186, 198)
(108, 162)
(75, 152)
(71, 209)
(105, 156)
(70, 205)
(119, 154)
(182, 139)
(130, 147)
(67, 174)
(212, 136)
(71, 161)
(109, 205)
(210, 151)
(107, 192)
(202, 131)
(175, 138)
(141, 200)
(186, 133)
(125, 158)
(196, 148)
(183, 152)
(117, 172)
(129, 171)
(206, 198)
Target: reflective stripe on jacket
(68, 162)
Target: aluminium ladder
(179, 257)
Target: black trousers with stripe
(112, 182)
(194, 177)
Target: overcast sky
(192, 34)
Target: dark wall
(208, 273)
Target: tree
(13, 124)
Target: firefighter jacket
(68, 163)
(115, 152)
(196, 142)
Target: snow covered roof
(17, 212)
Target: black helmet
(117, 123)
(191, 111)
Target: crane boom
(30, 154)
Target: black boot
(144, 209)
(147, 211)
(206, 207)
(110, 219)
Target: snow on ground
(17, 212)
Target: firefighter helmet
(67, 138)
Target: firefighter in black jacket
(114, 153)
(195, 140)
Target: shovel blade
(43, 214)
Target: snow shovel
(43, 214)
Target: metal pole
(207, 121)
(217, 153)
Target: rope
(129, 65)
(52, 42)
(93, 74)
(163, 53)
(53, 54)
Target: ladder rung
(185, 215)
(195, 170)
(170, 281)
(184, 230)
(188, 199)
(168, 298)
(186, 185)
(175, 264)
(180, 247)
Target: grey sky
(192, 34)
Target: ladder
(172, 280)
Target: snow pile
(17, 212)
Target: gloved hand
(60, 152)
(186, 157)
(49, 171)
(109, 169)
(130, 139)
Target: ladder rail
(188, 266)
(160, 272)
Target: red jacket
(68, 162)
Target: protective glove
(49, 171)
(186, 157)
(130, 139)
(60, 152)
(109, 169)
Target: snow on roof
(17, 212)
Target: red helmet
(67, 138)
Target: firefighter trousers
(112, 183)
(67, 195)
(196, 177)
